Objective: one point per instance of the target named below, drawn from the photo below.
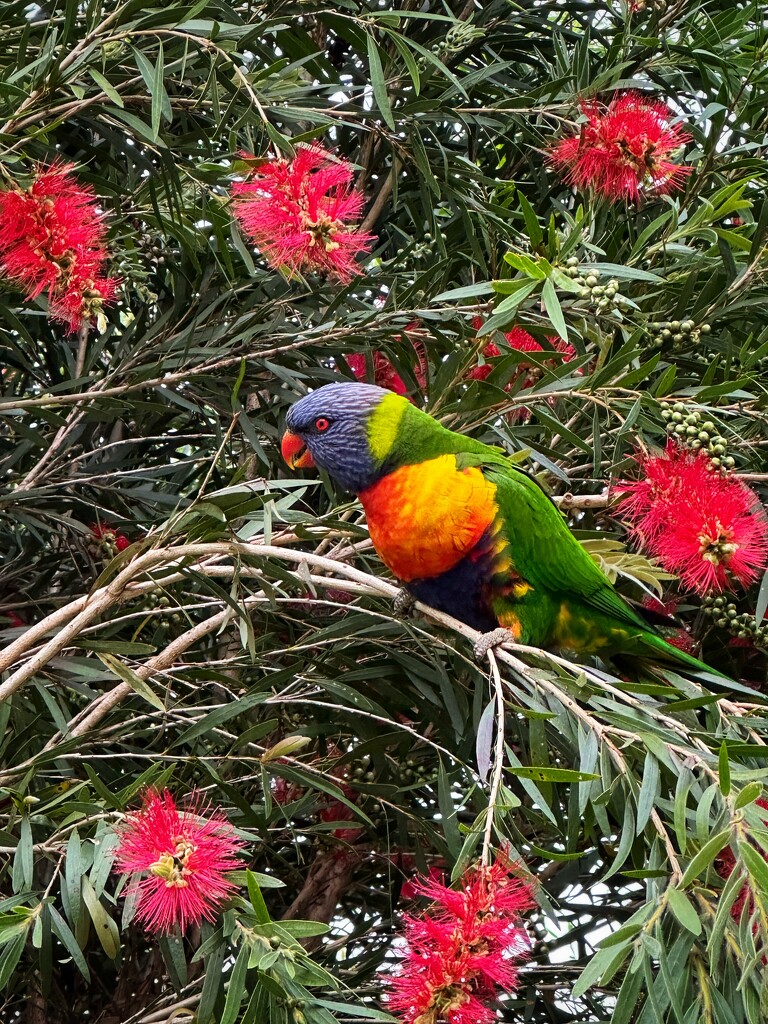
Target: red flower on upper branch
(622, 149)
(462, 949)
(725, 863)
(52, 242)
(521, 341)
(384, 372)
(300, 213)
(110, 540)
(183, 855)
(708, 528)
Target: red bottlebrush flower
(462, 949)
(52, 242)
(300, 213)
(706, 527)
(184, 856)
(110, 541)
(521, 341)
(725, 862)
(410, 887)
(384, 373)
(622, 148)
(724, 534)
(335, 810)
(669, 476)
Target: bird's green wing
(543, 549)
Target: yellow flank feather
(510, 621)
(384, 424)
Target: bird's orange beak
(295, 452)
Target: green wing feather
(544, 550)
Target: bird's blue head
(345, 429)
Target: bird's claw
(403, 603)
(488, 641)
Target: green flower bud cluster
(362, 771)
(460, 35)
(678, 334)
(726, 615)
(604, 296)
(685, 423)
(158, 601)
(419, 251)
(415, 773)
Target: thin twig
(498, 758)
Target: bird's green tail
(665, 652)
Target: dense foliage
(177, 610)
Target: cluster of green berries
(725, 614)
(686, 424)
(419, 251)
(678, 333)
(362, 770)
(158, 601)
(604, 296)
(414, 773)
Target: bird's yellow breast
(423, 519)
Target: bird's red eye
(322, 424)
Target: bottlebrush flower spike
(459, 951)
(110, 540)
(300, 213)
(52, 242)
(721, 535)
(706, 527)
(384, 373)
(668, 477)
(521, 341)
(621, 151)
(183, 855)
(725, 864)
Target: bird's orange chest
(423, 519)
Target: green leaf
(379, 84)
(704, 857)
(755, 864)
(236, 986)
(553, 308)
(546, 774)
(127, 674)
(748, 795)
(683, 910)
(257, 900)
(724, 769)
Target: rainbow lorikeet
(464, 529)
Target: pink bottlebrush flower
(301, 213)
(52, 242)
(110, 540)
(706, 527)
(462, 949)
(621, 151)
(183, 855)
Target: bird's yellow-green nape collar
(384, 424)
